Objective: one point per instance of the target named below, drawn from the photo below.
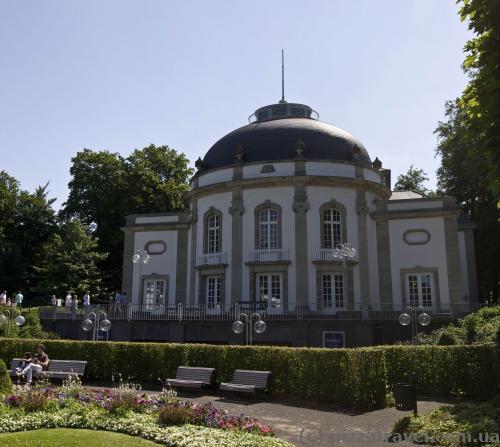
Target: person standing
(19, 299)
(74, 307)
(86, 302)
(53, 301)
(117, 301)
(3, 298)
(67, 301)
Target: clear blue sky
(120, 75)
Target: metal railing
(282, 311)
(269, 255)
(324, 254)
(212, 258)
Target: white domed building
(270, 205)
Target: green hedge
(351, 378)
(467, 370)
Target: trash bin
(405, 396)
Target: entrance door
(154, 294)
(269, 290)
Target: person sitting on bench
(39, 363)
(27, 359)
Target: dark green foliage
(413, 180)
(446, 338)
(5, 382)
(497, 335)
(105, 187)
(467, 424)
(464, 370)
(350, 378)
(469, 140)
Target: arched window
(268, 229)
(213, 231)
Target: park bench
(192, 378)
(58, 369)
(247, 382)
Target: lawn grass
(62, 437)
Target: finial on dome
(282, 101)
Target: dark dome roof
(277, 139)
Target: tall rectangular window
(268, 229)
(332, 290)
(214, 292)
(269, 290)
(420, 289)
(332, 228)
(213, 234)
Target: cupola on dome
(283, 131)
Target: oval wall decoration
(416, 237)
(155, 247)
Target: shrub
(446, 338)
(176, 415)
(350, 378)
(463, 370)
(5, 382)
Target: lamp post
(413, 316)
(244, 323)
(7, 317)
(345, 251)
(141, 257)
(94, 322)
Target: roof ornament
(282, 101)
(239, 153)
(199, 164)
(299, 148)
(356, 152)
(377, 164)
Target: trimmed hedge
(466, 370)
(5, 382)
(351, 378)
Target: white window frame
(150, 292)
(214, 293)
(338, 301)
(326, 333)
(271, 280)
(418, 296)
(214, 233)
(268, 229)
(332, 227)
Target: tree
(481, 98)
(413, 180)
(69, 262)
(27, 221)
(469, 140)
(105, 187)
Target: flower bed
(163, 418)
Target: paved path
(318, 425)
